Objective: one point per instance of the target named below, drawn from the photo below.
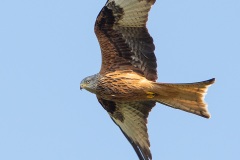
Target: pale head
(90, 83)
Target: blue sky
(48, 46)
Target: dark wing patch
(131, 118)
(124, 39)
(111, 108)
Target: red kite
(126, 85)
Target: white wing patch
(133, 123)
(135, 12)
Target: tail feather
(188, 97)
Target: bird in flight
(126, 85)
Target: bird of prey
(126, 85)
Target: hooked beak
(81, 86)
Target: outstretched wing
(124, 39)
(131, 118)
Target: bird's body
(126, 85)
(123, 86)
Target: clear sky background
(47, 47)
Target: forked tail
(188, 97)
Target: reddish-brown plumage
(124, 47)
(126, 85)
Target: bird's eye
(88, 81)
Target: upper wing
(124, 39)
(131, 118)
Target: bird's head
(89, 83)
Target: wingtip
(212, 80)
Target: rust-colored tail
(188, 97)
